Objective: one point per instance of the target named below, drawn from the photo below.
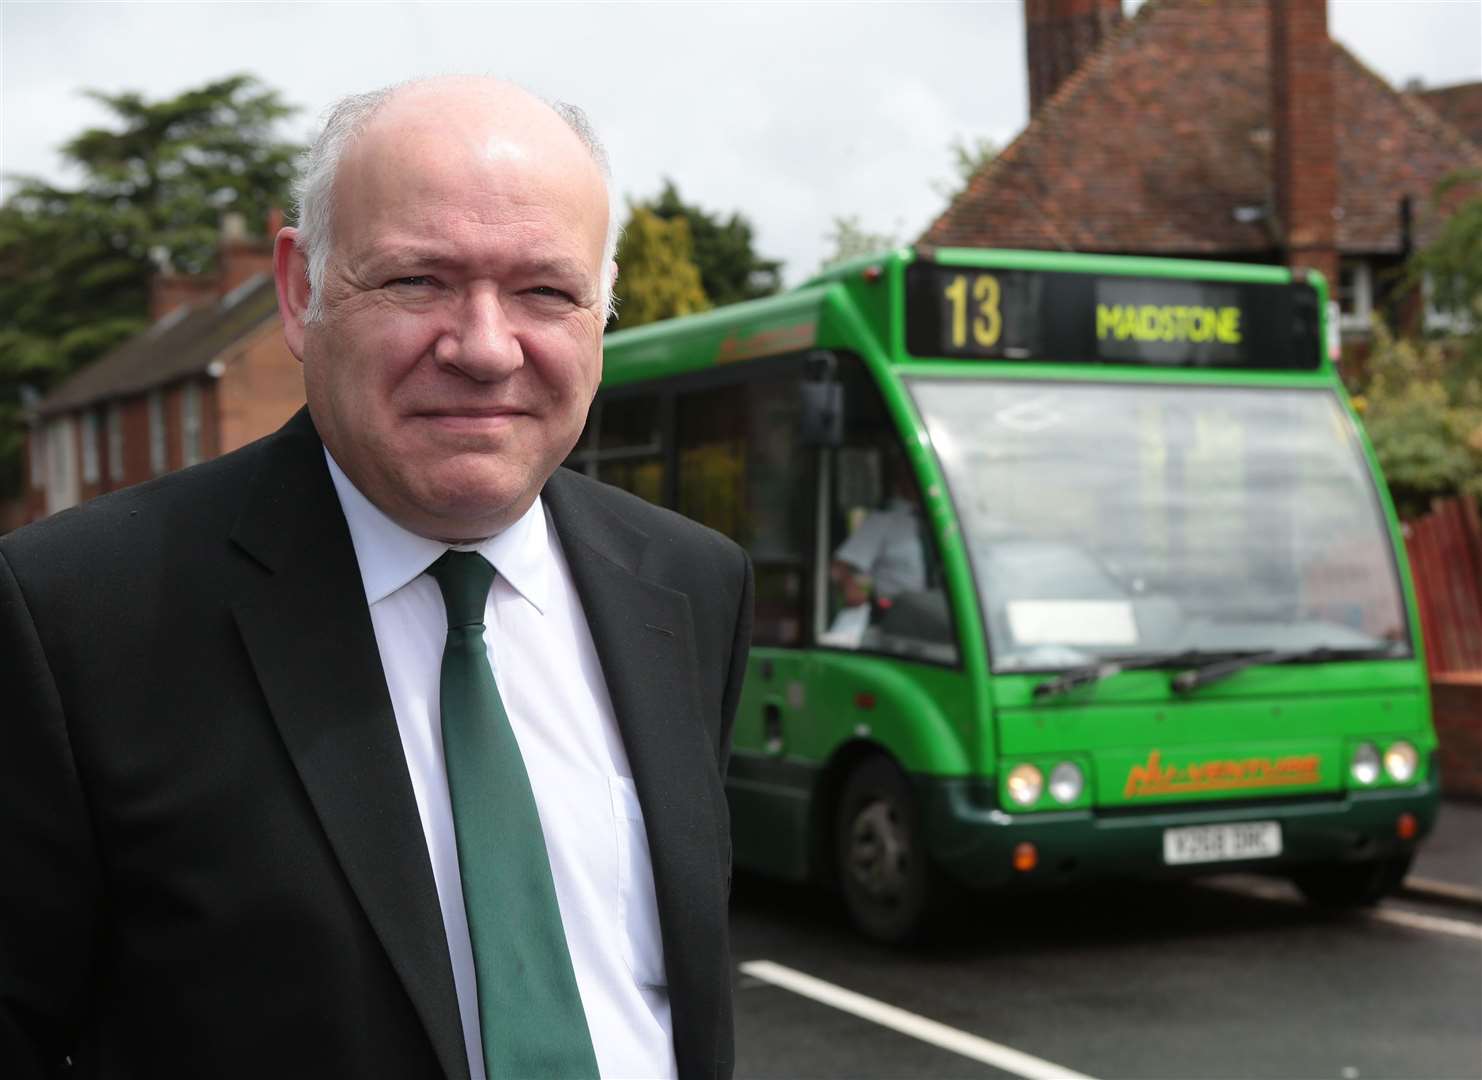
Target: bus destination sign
(980, 313)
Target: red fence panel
(1445, 548)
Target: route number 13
(982, 309)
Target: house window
(190, 423)
(157, 458)
(1442, 320)
(115, 441)
(61, 465)
(1355, 295)
(90, 447)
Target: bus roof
(1116, 299)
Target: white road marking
(1435, 923)
(1444, 888)
(908, 1023)
(1281, 893)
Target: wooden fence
(1445, 548)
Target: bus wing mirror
(822, 422)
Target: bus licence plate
(1221, 843)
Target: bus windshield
(1116, 521)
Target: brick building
(1232, 130)
(211, 374)
(1459, 105)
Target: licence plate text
(1221, 843)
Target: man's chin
(470, 504)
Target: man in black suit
(227, 843)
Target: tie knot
(464, 578)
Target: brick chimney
(1059, 35)
(1305, 140)
(242, 256)
(169, 290)
(238, 258)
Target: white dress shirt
(552, 687)
(887, 546)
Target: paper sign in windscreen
(1072, 622)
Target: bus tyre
(880, 855)
(1354, 885)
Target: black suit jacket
(211, 863)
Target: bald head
(427, 105)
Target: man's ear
(291, 272)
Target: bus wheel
(1354, 885)
(879, 853)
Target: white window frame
(90, 472)
(1357, 320)
(159, 458)
(115, 441)
(1437, 321)
(61, 465)
(190, 423)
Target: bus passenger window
(623, 445)
(738, 462)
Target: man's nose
(481, 343)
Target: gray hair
(347, 118)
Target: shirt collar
(391, 556)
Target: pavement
(1449, 863)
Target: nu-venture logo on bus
(1222, 774)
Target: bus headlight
(1400, 761)
(1066, 782)
(1026, 783)
(1365, 764)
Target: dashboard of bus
(1114, 520)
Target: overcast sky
(790, 113)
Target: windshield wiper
(1217, 671)
(1086, 674)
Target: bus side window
(738, 459)
(622, 445)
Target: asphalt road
(1234, 978)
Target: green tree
(657, 275)
(75, 263)
(1425, 426)
(1422, 398)
(730, 268)
(1450, 268)
(969, 154)
(851, 240)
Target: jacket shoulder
(656, 522)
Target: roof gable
(1161, 144)
(182, 343)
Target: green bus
(1067, 567)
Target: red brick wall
(136, 440)
(1305, 137)
(263, 386)
(33, 498)
(1456, 702)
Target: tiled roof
(1161, 144)
(182, 343)
(1459, 105)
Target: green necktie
(530, 1010)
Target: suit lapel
(645, 643)
(308, 632)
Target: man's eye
(415, 281)
(550, 290)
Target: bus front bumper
(977, 843)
